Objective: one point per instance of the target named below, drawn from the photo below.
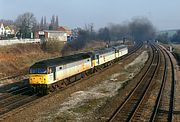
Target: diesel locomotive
(49, 75)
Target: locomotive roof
(75, 57)
(102, 51)
(120, 47)
(61, 60)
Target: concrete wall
(19, 41)
(59, 36)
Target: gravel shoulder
(176, 117)
(177, 90)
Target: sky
(76, 13)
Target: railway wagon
(104, 56)
(49, 74)
(120, 50)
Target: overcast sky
(162, 13)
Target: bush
(177, 56)
(52, 45)
(76, 46)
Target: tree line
(138, 29)
(165, 38)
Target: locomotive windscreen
(38, 71)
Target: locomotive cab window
(38, 71)
(97, 57)
(49, 70)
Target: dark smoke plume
(138, 29)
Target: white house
(2, 29)
(52, 34)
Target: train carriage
(103, 56)
(120, 50)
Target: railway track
(130, 109)
(12, 77)
(134, 105)
(10, 93)
(171, 106)
(14, 100)
(157, 114)
(14, 97)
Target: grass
(63, 118)
(177, 53)
(53, 45)
(177, 47)
(16, 59)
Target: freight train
(49, 75)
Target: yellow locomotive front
(39, 79)
(38, 75)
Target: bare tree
(7, 22)
(176, 37)
(56, 23)
(42, 24)
(26, 24)
(104, 34)
(163, 38)
(45, 23)
(52, 24)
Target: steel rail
(171, 106)
(146, 91)
(158, 100)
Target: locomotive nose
(37, 79)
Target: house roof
(53, 31)
(65, 27)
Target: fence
(17, 41)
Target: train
(48, 75)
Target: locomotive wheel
(51, 88)
(63, 84)
(83, 75)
